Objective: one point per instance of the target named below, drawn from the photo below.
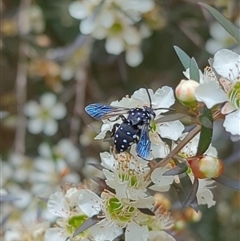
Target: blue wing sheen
(144, 144)
(100, 111)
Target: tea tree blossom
(47, 175)
(204, 194)
(162, 183)
(227, 65)
(65, 150)
(115, 22)
(220, 38)
(31, 232)
(64, 206)
(119, 213)
(43, 115)
(126, 175)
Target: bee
(133, 129)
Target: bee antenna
(149, 97)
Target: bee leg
(115, 126)
(120, 116)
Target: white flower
(63, 151)
(47, 174)
(32, 231)
(23, 196)
(227, 65)
(115, 22)
(43, 116)
(22, 166)
(220, 38)
(126, 176)
(91, 204)
(204, 195)
(120, 213)
(70, 217)
(191, 148)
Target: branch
(21, 78)
(81, 81)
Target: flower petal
(59, 111)
(87, 25)
(140, 6)
(48, 100)
(163, 98)
(78, 10)
(204, 194)
(232, 123)
(158, 178)
(108, 160)
(136, 232)
(104, 230)
(32, 109)
(131, 36)
(160, 235)
(106, 19)
(114, 45)
(50, 127)
(171, 130)
(58, 205)
(55, 234)
(89, 202)
(210, 94)
(134, 56)
(44, 150)
(142, 97)
(159, 150)
(35, 126)
(227, 64)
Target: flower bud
(190, 215)
(162, 202)
(185, 92)
(206, 166)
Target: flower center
(153, 126)
(119, 211)
(133, 181)
(45, 114)
(116, 28)
(74, 222)
(234, 95)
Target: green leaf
(184, 58)
(194, 70)
(191, 197)
(235, 184)
(206, 131)
(184, 190)
(206, 122)
(86, 225)
(179, 169)
(230, 27)
(146, 211)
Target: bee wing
(144, 144)
(100, 112)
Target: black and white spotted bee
(133, 129)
